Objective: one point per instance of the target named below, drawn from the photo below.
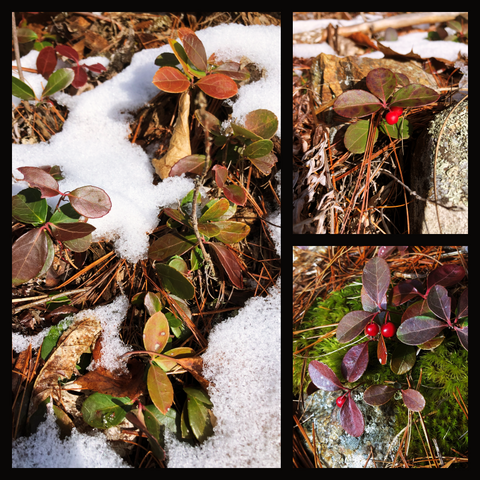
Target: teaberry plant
(420, 326)
(214, 224)
(217, 82)
(34, 251)
(57, 80)
(382, 83)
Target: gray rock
(337, 449)
(451, 175)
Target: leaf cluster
(34, 251)
(57, 80)
(382, 84)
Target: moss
(443, 371)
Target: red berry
(371, 329)
(388, 330)
(397, 110)
(391, 118)
(341, 401)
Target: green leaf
(169, 245)
(259, 149)
(216, 211)
(414, 95)
(199, 418)
(104, 411)
(21, 90)
(58, 81)
(50, 341)
(401, 129)
(356, 136)
(29, 207)
(156, 422)
(175, 282)
(263, 123)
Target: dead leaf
(75, 341)
(195, 367)
(180, 141)
(101, 380)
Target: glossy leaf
(238, 130)
(70, 231)
(401, 129)
(351, 418)
(199, 418)
(166, 59)
(156, 421)
(175, 282)
(195, 51)
(216, 211)
(153, 303)
(381, 350)
(29, 254)
(356, 136)
(58, 81)
(369, 305)
(178, 216)
(81, 76)
(355, 362)
(29, 207)
(139, 420)
(171, 80)
(265, 164)
(68, 52)
(26, 35)
(418, 330)
(21, 90)
(324, 377)
(356, 103)
(446, 275)
(231, 232)
(221, 174)
(193, 164)
(179, 264)
(462, 307)
(235, 194)
(417, 309)
(378, 394)
(100, 410)
(50, 256)
(208, 121)
(179, 352)
(182, 57)
(381, 82)
(159, 388)
(376, 278)
(92, 202)
(414, 95)
(230, 263)
(46, 61)
(439, 302)
(156, 333)
(38, 178)
(352, 324)
(258, 149)
(218, 85)
(262, 123)
(79, 244)
(208, 229)
(169, 245)
(403, 358)
(463, 336)
(413, 400)
(405, 291)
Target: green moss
(443, 371)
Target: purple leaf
(413, 400)
(418, 330)
(378, 394)
(406, 291)
(92, 202)
(38, 178)
(446, 275)
(356, 103)
(355, 362)
(462, 307)
(376, 279)
(351, 418)
(414, 95)
(29, 254)
(352, 324)
(463, 336)
(71, 231)
(381, 82)
(439, 302)
(324, 377)
(230, 263)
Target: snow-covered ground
(93, 149)
(416, 41)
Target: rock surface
(451, 175)
(337, 449)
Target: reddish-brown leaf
(229, 261)
(195, 51)
(29, 254)
(217, 85)
(71, 231)
(169, 245)
(193, 164)
(38, 178)
(235, 194)
(171, 80)
(46, 61)
(221, 174)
